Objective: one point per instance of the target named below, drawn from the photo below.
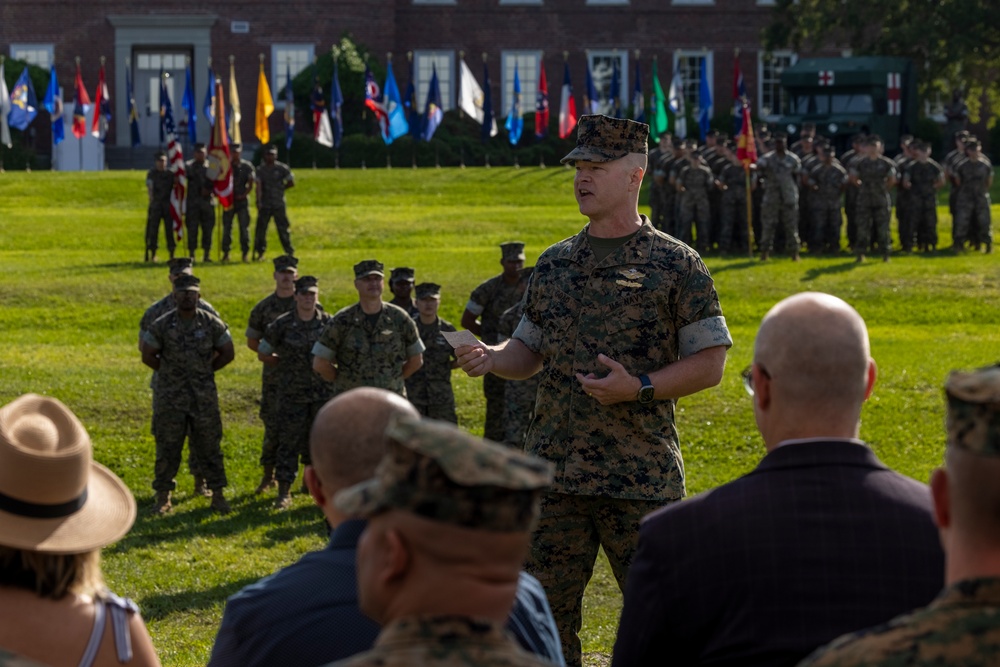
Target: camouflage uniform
(781, 199)
(519, 395)
(733, 208)
(301, 392)
(656, 160)
(960, 626)
(429, 389)
(243, 178)
(923, 178)
(263, 314)
(200, 214)
(445, 641)
(162, 184)
(369, 352)
(153, 313)
(186, 402)
(435, 471)
(271, 183)
(847, 160)
(905, 206)
(829, 179)
(697, 180)
(649, 303)
(874, 205)
(488, 302)
(972, 205)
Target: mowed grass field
(73, 287)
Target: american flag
(175, 162)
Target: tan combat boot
(266, 480)
(284, 499)
(162, 503)
(219, 503)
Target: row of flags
(397, 114)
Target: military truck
(845, 96)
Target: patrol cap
(187, 283)
(286, 263)
(273, 150)
(973, 421)
(512, 250)
(603, 139)
(236, 147)
(199, 146)
(160, 155)
(402, 273)
(367, 267)
(438, 472)
(307, 284)
(179, 265)
(428, 291)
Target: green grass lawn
(73, 287)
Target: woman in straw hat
(57, 509)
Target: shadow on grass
(842, 267)
(735, 266)
(161, 606)
(192, 516)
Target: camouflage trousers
(203, 430)
(264, 216)
(904, 220)
(771, 214)
(850, 213)
(872, 219)
(192, 461)
(519, 409)
(694, 211)
(972, 220)
(156, 213)
(242, 214)
(733, 227)
(826, 219)
(442, 410)
(269, 446)
(564, 549)
(658, 208)
(200, 217)
(494, 389)
(294, 420)
(925, 220)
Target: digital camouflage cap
(367, 267)
(428, 291)
(186, 282)
(438, 472)
(286, 263)
(402, 273)
(307, 284)
(603, 139)
(179, 265)
(512, 250)
(974, 410)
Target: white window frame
(528, 77)
(765, 107)
(27, 51)
(603, 84)
(279, 70)
(692, 83)
(445, 62)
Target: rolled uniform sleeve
(151, 340)
(529, 333)
(265, 347)
(474, 308)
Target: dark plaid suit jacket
(820, 539)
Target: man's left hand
(617, 386)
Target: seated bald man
(307, 614)
(820, 539)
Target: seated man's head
(812, 369)
(449, 523)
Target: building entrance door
(148, 67)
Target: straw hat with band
(53, 497)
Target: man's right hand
(475, 360)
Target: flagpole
(388, 147)
(461, 114)
(486, 154)
(334, 53)
(80, 139)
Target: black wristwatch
(646, 391)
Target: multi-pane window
(526, 64)
(688, 63)
(602, 67)
(34, 54)
(771, 98)
(425, 64)
(285, 58)
(172, 66)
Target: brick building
(526, 34)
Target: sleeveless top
(119, 609)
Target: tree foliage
(955, 44)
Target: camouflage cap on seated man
(603, 139)
(428, 291)
(187, 282)
(286, 263)
(438, 472)
(974, 410)
(179, 265)
(367, 267)
(307, 284)
(403, 273)
(512, 251)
